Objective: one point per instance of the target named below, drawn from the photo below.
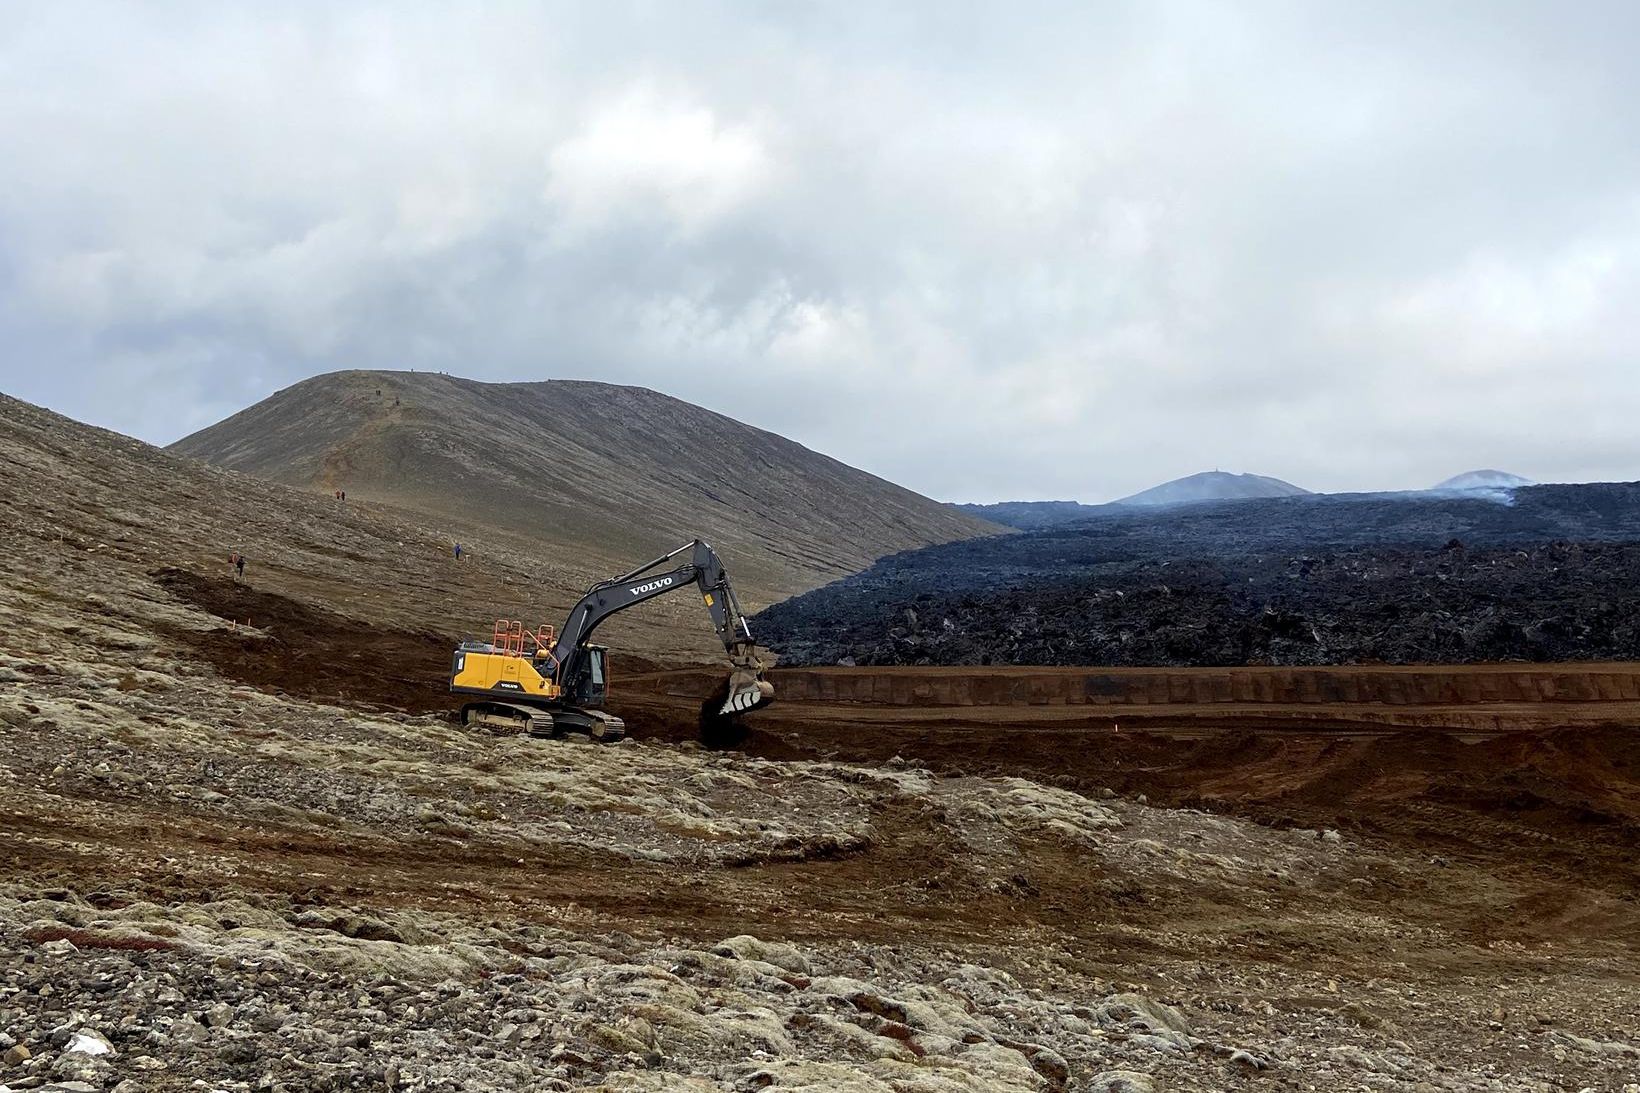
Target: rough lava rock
(1299, 581)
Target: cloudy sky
(990, 251)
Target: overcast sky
(989, 251)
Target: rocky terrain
(1031, 515)
(206, 883)
(1318, 580)
(588, 472)
(216, 880)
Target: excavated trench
(1518, 761)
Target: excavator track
(601, 725)
(508, 719)
(512, 719)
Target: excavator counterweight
(545, 681)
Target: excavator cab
(585, 675)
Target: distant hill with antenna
(1484, 480)
(1213, 486)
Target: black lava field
(1343, 579)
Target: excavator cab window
(588, 678)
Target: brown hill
(97, 510)
(592, 471)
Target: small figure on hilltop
(237, 560)
(458, 552)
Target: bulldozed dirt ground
(243, 849)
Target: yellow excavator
(545, 682)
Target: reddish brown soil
(285, 646)
(1551, 785)
(288, 647)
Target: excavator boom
(705, 570)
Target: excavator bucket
(745, 689)
(745, 694)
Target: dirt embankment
(1521, 763)
(285, 646)
(289, 647)
(1118, 688)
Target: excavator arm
(705, 571)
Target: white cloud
(1058, 251)
(643, 155)
(1494, 309)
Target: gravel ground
(211, 886)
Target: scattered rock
(1610, 1048)
(81, 1067)
(88, 1041)
(1157, 1025)
(747, 947)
